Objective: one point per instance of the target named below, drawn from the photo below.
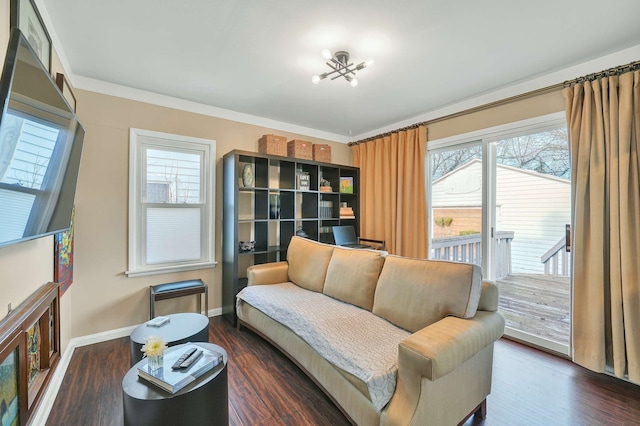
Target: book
(174, 380)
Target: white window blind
(171, 203)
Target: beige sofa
(439, 318)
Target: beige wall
(103, 297)
(520, 110)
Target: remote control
(183, 357)
(158, 321)
(187, 362)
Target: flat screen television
(40, 148)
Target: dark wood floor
(529, 388)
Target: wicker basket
(272, 144)
(300, 149)
(322, 152)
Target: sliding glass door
(502, 201)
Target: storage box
(300, 149)
(322, 152)
(272, 144)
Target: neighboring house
(535, 206)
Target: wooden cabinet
(267, 199)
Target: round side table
(181, 328)
(203, 402)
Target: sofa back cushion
(413, 293)
(308, 261)
(352, 276)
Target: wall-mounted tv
(40, 148)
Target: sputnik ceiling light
(340, 65)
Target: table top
(138, 388)
(179, 326)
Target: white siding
(534, 206)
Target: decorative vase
(155, 362)
(300, 232)
(247, 175)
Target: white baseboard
(48, 398)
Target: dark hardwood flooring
(529, 388)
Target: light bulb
(315, 79)
(369, 62)
(326, 53)
(353, 82)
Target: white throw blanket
(350, 338)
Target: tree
(543, 152)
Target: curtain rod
(633, 66)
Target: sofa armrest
(268, 273)
(438, 349)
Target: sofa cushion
(352, 276)
(308, 261)
(413, 293)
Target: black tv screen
(40, 148)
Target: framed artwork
(63, 256)
(346, 185)
(25, 16)
(63, 85)
(9, 384)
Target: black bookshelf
(272, 208)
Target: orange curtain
(392, 185)
(603, 119)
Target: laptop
(345, 236)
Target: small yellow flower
(154, 346)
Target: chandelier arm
(343, 73)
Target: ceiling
(256, 57)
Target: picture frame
(65, 88)
(12, 393)
(63, 256)
(346, 184)
(25, 16)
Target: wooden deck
(537, 304)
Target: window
(171, 203)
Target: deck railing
(466, 248)
(556, 260)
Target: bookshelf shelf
(270, 211)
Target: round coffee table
(203, 402)
(181, 328)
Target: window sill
(169, 269)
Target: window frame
(206, 148)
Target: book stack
(173, 380)
(347, 213)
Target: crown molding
(131, 93)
